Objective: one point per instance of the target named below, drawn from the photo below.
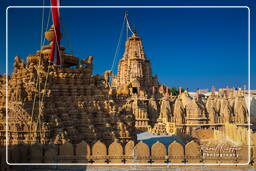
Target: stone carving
(107, 74)
(226, 153)
(193, 153)
(176, 152)
(134, 66)
(130, 93)
(99, 152)
(129, 152)
(67, 105)
(115, 152)
(141, 153)
(17, 63)
(88, 63)
(83, 152)
(20, 94)
(158, 153)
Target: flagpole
(56, 53)
(126, 18)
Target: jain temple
(66, 114)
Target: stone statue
(30, 93)
(106, 76)
(88, 62)
(32, 72)
(17, 62)
(59, 138)
(123, 89)
(22, 64)
(20, 93)
(97, 79)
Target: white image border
(134, 164)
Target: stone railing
(128, 153)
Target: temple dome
(135, 83)
(194, 110)
(178, 111)
(49, 35)
(134, 66)
(186, 100)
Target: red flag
(55, 53)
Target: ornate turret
(134, 67)
(66, 59)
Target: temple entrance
(135, 90)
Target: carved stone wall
(129, 152)
(51, 154)
(140, 153)
(158, 153)
(134, 68)
(192, 152)
(83, 152)
(36, 153)
(99, 152)
(115, 152)
(66, 151)
(73, 105)
(176, 152)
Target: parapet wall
(128, 153)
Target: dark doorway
(135, 90)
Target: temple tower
(134, 68)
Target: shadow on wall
(253, 107)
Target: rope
(118, 45)
(42, 26)
(48, 21)
(128, 24)
(67, 37)
(33, 107)
(37, 84)
(45, 84)
(42, 100)
(126, 31)
(38, 81)
(46, 80)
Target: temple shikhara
(65, 113)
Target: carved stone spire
(134, 66)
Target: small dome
(135, 83)
(178, 107)
(194, 109)
(185, 99)
(193, 105)
(49, 35)
(211, 103)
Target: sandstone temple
(66, 110)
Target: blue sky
(191, 48)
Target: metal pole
(126, 18)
